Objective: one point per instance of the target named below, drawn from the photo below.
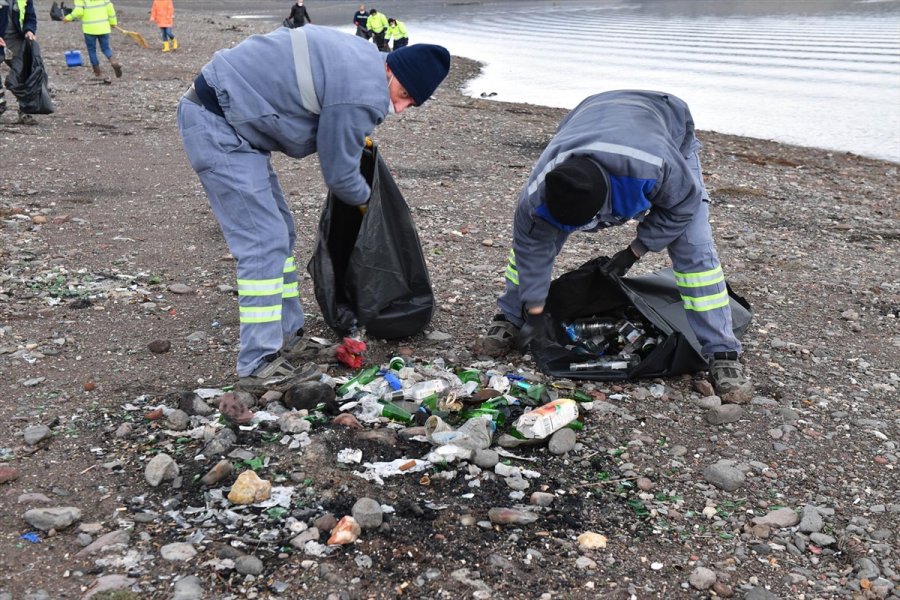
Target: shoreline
(109, 252)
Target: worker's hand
(363, 209)
(2, 43)
(369, 142)
(534, 331)
(29, 35)
(620, 263)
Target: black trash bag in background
(56, 13)
(587, 292)
(369, 271)
(28, 82)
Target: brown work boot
(117, 68)
(98, 73)
(728, 379)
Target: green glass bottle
(395, 413)
(365, 376)
(467, 375)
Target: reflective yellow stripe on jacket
(97, 16)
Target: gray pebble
(562, 441)
(727, 413)
(248, 565)
(36, 434)
(367, 513)
(724, 476)
(486, 459)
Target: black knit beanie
(575, 190)
(420, 68)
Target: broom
(138, 38)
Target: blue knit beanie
(420, 68)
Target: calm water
(814, 73)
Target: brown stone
(249, 489)
(345, 532)
(346, 420)
(234, 410)
(8, 474)
(159, 346)
(220, 471)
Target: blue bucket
(73, 58)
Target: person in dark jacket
(18, 22)
(299, 14)
(622, 156)
(359, 19)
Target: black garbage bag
(369, 271)
(56, 13)
(28, 82)
(654, 299)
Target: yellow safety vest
(21, 4)
(377, 22)
(97, 16)
(397, 32)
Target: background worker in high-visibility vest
(18, 22)
(98, 17)
(163, 14)
(396, 33)
(377, 23)
(332, 91)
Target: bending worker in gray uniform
(619, 156)
(296, 91)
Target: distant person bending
(330, 94)
(18, 22)
(621, 156)
(163, 14)
(359, 19)
(397, 33)
(98, 17)
(299, 14)
(377, 25)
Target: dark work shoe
(727, 375)
(269, 373)
(499, 339)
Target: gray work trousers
(258, 226)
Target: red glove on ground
(350, 353)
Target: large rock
(249, 489)
(780, 518)
(368, 513)
(724, 476)
(308, 395)
(188, 588)
(702, 578)
(161, 467)
(36, 434)
(726, 413)
(58, 517)
(120, 537)
(178, 552)
(220, 444)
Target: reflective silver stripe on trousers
(304, 71)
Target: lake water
(815, 73)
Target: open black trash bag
(28, 82)
(369, 271)
(587, 292)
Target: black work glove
(620, 263)
(534, 331)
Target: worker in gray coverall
(618, 156)
(296, 91)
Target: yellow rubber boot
(174, 44)
(165, 46)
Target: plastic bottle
(613, 363)
(365, 376)
(392, 380)
(424, 389)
